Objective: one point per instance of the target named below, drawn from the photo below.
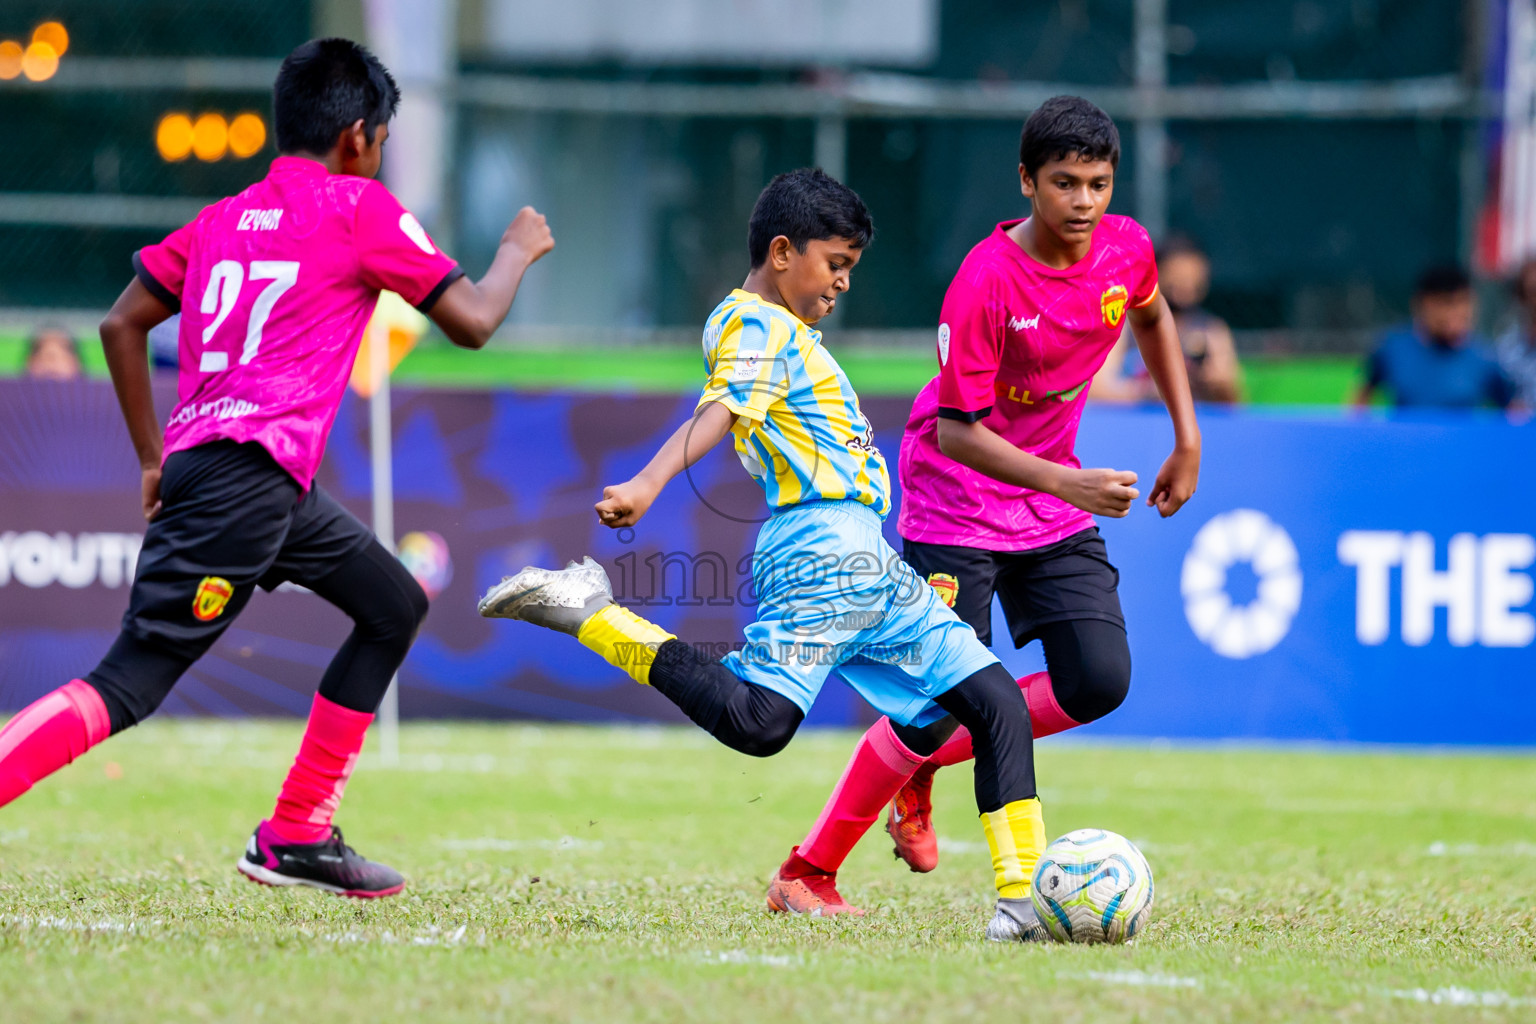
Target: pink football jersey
(1019, 343)
(275, 286)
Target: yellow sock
(1016, 834)
(625, 640)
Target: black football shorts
(1071, 579)
(231, 519)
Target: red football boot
(910, 822)
(797, 888)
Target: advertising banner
(1335, 578)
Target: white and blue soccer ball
(1093, 886)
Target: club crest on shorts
(1112, 303)
(946, 586)
(211, 597)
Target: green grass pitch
(594, 874)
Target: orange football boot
(815, 895)
(910, 822)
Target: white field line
(430, 936)
(741, 956)
(1461, 997)
(420, 764)
(1141, 979)
(1353, 808)
(962, 847)
(1515, 849)
(966, 847)
(475, 764)
(64, 924)
(493, 843)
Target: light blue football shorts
(834, 597)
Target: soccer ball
(1093, 886)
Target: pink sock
(312, 791)
(880, 766)
(48, 734)
(1045, 719)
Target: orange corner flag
(395, 323)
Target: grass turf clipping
(579, 873)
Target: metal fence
(647, 174)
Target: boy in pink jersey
(994, 501)
(275, 286)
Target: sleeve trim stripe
(962, 415)
(1149, 299)
(158, 290)
(426, 304)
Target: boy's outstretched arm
(470, 311)
(1158, 339)
(125, 342)
(1099, 492)
(624, 504)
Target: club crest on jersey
(943, 344)
(946, 586)
(1112, 303)
(746, 367)
(211, 597)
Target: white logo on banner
(1241, 536)
(1481, 588)
(37, 559)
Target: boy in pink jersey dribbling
(275, 286)
(994, 500)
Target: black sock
(744, 716)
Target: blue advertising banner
(1335, 578)
(1339, 578)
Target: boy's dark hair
(804, 205)
(1445, 279)
(324, 86)
(1064, 126)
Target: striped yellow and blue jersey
(799, 430)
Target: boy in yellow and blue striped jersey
(798, 427)
(833, 596)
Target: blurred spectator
(1436, 361)
(1517, 345)
(51, 355)
(1210, 357)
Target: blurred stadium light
(645, 129)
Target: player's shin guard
(312, 791)
(988, 703)
(1016, 837)
(48, 734)
(880, 766)
(625, 640)
(1045, 719)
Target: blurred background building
(1322, 153)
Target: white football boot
(1016, 920)
(560, 599)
